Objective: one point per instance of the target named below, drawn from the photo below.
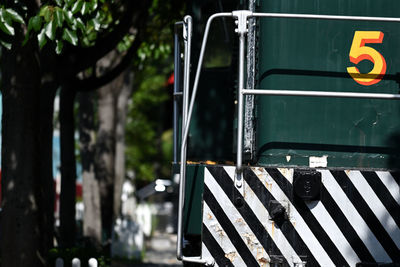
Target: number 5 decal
(359, 52)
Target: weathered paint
(343, 228)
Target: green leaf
(35, 23)
(59, 47)
(70, 36)
(85, 8)
(79, 24)
(94, 5)
(14, 15)
(59, 17)
(42, 38)
(46, 12)
(69, 17)
(6, 27)
(95, 23)
(59, 2)
(6, 45)
(69, 2)
(50, 30)
(77, 6)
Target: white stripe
(376, 205)
(206, 255)
(263, 216)
(334, 233)
(391, 185)
(247, 235)
(221, 237)
(298, 222)
(354, 218)
(332, 230)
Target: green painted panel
(193, 199)
(299, 54)
(211, 132)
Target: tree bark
(68, 167)
(105, 151)
(122, 100)
(91, 194)
(26, 231)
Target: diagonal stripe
(390, 183)
(212, 231)
(254, 238)
(354, 218)
(366, 213)
(396, 177)
(310, 219)
(384, 195)
(263, 216)
(302, 228)
(227, 226)
(320, 213)
(345, 226)
(209, 241)
(257, 193)
(376, 205)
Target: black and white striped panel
(356, 220)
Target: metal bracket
(199, 260)
(242, 21)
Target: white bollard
(92, 262)
(59, 262)
(76, 262)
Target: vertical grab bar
(177, 93)
(185, 131)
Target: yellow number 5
(359, 52)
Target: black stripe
(367, 214)
(396, 176)
(226, 183)
(287, 229)
(311, 221)
(383, 194)
(214, 249)
(229, 229)
(345, 227)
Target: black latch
(278, 212)
(307, 184)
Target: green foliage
(145, 116)
(77, 22)
(148, 133)
(8, 17)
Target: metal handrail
(242, 16)
(319, 94)
(324, 17)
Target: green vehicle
(288, 130)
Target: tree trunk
(105, 151)
(122, 100)
(68, 167)
(91, 193)
(26, 231)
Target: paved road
(161, 252)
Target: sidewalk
(160, 252)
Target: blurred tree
(47, 43)
(149, 140)
(113, 98)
